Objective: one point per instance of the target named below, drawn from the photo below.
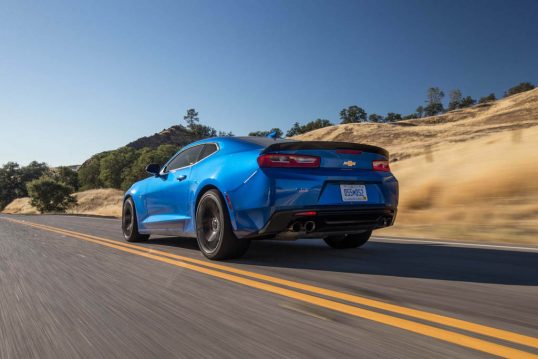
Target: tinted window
(185, 158)
(261, 141)
(208, 149)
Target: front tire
(348, 241)
(214, 231)
(129, 223)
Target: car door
(167, 195)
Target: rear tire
(129, 223)
(348, 241)
(214, 231)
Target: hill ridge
(409, 138)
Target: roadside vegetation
(49, 195)
(50, 189)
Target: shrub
(522, 87)
(49, 195)
(467, 102)
(393, 117)
(489, 98)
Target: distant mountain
(175, 135)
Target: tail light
(381, 165)
(284, 160)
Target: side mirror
(153, 169)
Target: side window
(209, 149)
(185, 158)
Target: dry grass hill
(467, 174)
(99, 202)
(416, 137)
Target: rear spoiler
(323, 145)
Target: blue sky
(80, 77)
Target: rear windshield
(262, 141)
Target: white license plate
(353, 193)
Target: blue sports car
(227, 191)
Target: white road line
(455, 244)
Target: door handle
(181, 178)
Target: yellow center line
(431, 317)
(419, 328)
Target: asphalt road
(71, 288)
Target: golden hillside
(468, 174)
(410, 138)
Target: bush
(467, 102)
(49, 195)
(522, 87)
(13, 180)
(393, 117)
(489, 98)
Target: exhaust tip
(296, 227)
(309, 226)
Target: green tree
(115, 166)
(420, 111)
(191, 117)
(11, 185)
(455, 99)
(49, 195)
(393, 117)
(33, 171)
(489, 98)
(314, 125)
(297, 129)
(67, 176)
(467, 101)
(433, 109)
(374, 117)
(89, 172)
(202, 131)
(353, 114)
(434, 105)
(522, 87)
(144, 157)
(294, 131)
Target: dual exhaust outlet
(308, 226)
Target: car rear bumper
(333, 220)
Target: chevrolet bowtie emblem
(350, 163)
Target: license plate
(353, 193)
